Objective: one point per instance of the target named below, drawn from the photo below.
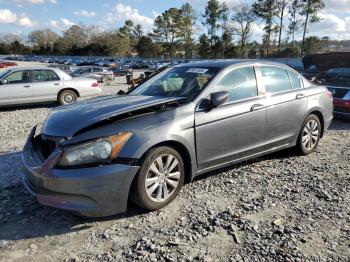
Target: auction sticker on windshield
(197, 70)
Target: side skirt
(238, 160)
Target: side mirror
(219, 98)
(3, 81)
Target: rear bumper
(93, 91)
(342, 115)
(93, 192)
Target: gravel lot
(280, 207)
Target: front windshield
(187, 82)
(3, 73)
(77, 71)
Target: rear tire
(66, 97)
(309, 135)
(104, 79)
(159, 179)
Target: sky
(23, 16)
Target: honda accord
(94, 157)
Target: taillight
(94, 84)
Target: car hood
(66, 121)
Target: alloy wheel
(163, 177)
(310, 135)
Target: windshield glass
(187, 82)
(3, 73)
(78, 71)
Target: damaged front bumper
(93, 191)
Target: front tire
(309, 135)
(104, 79)
(159, 180)
(67, 97)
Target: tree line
(227, 33)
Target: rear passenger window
(45, 75)
(240, 83)
(295, 79)
(276, 79)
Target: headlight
(101, 150)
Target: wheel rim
(68, 98)
(310, 134)
(163, 177)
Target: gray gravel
(281, 207)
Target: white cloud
(85, 13)
(338, 5)
(257, 31)
(62, 24)
(125, 12)
(24, 20)
(329, 24)
(8, 17)
(156, 14)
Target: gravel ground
(281, 207)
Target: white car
(43, 84)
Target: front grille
(338, 92)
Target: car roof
(223, 63)
(33, 68)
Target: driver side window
(18, 77)
(239, 83)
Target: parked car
(94, 156)
(67, 68)
(99, 73)
(121, 70)
(341, 100)
(43, 84)
(8, 63)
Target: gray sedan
(101, 74)
(93, 156)
(43, 84)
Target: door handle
(26, 86)
(256, 107)
(299, 96)
(56, 84)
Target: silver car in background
(92, 157)
(101, 74)
(43, 84)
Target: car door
(286, 105)
(236, 129)
(17, 89)
(46, 85)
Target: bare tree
(294, 22)
(281, 6)
(309, 9)
(243, 17)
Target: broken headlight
(97, 151)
